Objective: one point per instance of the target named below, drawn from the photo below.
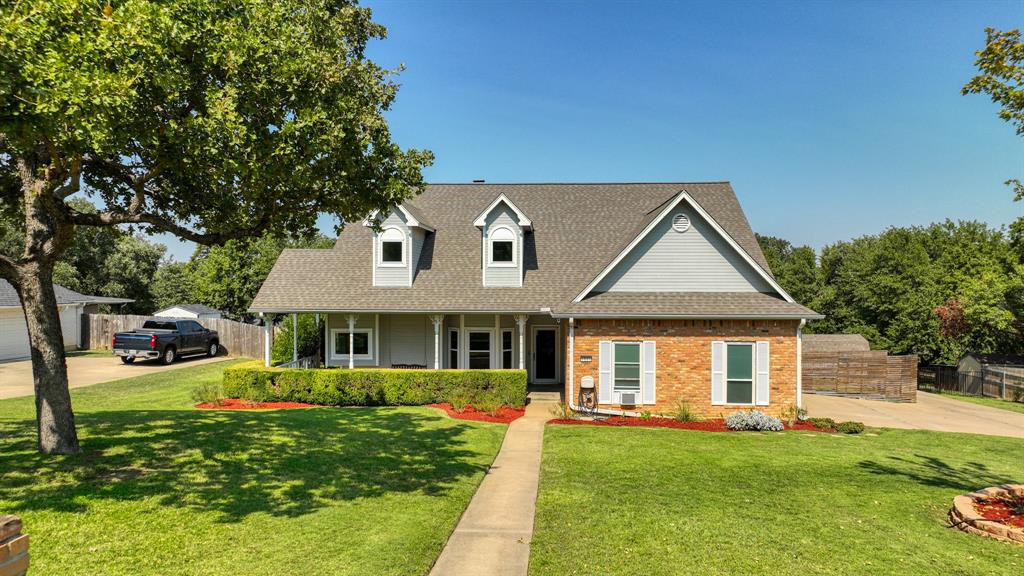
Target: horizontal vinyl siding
(503, 276)
(418, 236)
(393, 275)
(698, 260)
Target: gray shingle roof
(193, 308)
(835, 343)
(692, 304)
(9, 297)
(578, 229)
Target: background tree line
(937, 291)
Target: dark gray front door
(545, 356)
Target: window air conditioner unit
(628, 398)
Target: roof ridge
(628, 183)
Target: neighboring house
(655, 292)
(191, 311)
(814, 343)
(975, 362)
(14, 343)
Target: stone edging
(964, 516)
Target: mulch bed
(504, 415)
(238, 404)
(713, 425)
(1009, 511)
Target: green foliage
(850, 427)
(795, 267)
(895, 288)
(309, 338)
(172, 286)
(792, 414)
(561, 411)
(376, 387)
(683, 412)
(208, 393)
(823, 423)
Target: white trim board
(524, 221)
(683, 195)
(410, 220)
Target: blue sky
(832, 120)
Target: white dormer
(397, 245)
(503, 226)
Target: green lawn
(660, 502)
(162, 488)
(985, 401)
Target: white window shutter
(648, 360)
(761, 377)
(718, 373)
(604, 381)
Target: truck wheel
(213, 350)
(170, 354)
(128, 359)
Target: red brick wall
(683, 368)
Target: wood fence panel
(237, 338)
(872, 374)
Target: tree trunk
(55, 421)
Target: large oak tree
(208, 119)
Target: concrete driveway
(930, 412)
(16, 377)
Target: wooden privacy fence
(870, 374)
(237, 338)
(990, 382)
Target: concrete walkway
(493, 535)
(16, 377)
(930, 412)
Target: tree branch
(167, 225)
(8, 270)
(75, 182)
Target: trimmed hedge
(375, 386)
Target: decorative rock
(965, 516)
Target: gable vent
(680, 223)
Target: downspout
(571, 400)
(799, 363)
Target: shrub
(753, 420)
(850, 427)
(823, 423)
(561, 411)
(791, 414)
(684, 413)
(209, 393)
(376, 386)
(309, 339)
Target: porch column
(295, 337)
(437, 319)
(268, 336)
(351, 340)
(521, 324)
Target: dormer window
(503, 247)
(392, 247)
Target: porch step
(544, 395)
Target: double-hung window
(479, 350)
(627, 367)
(361, 344)
(739, 375)
(453, 348)
(506, 349)
(392, 247)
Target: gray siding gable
(393, 275)
(697, 260)
(503, 276)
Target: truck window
(158, 325)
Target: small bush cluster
(562, 411)
(753, 420)
(209, 393)
(483, 389)
(850, 427)
(823, 423)
(684, 413)
(792, 414)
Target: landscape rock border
(965, 516)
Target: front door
(545, 354)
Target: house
(977, 362)
(14, 343)
(191, 311)
(655, 292)
(813, 343)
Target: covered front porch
(531, 342)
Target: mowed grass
(985, 401)
(660, 502)
(163, 488)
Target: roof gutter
(813, 316)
